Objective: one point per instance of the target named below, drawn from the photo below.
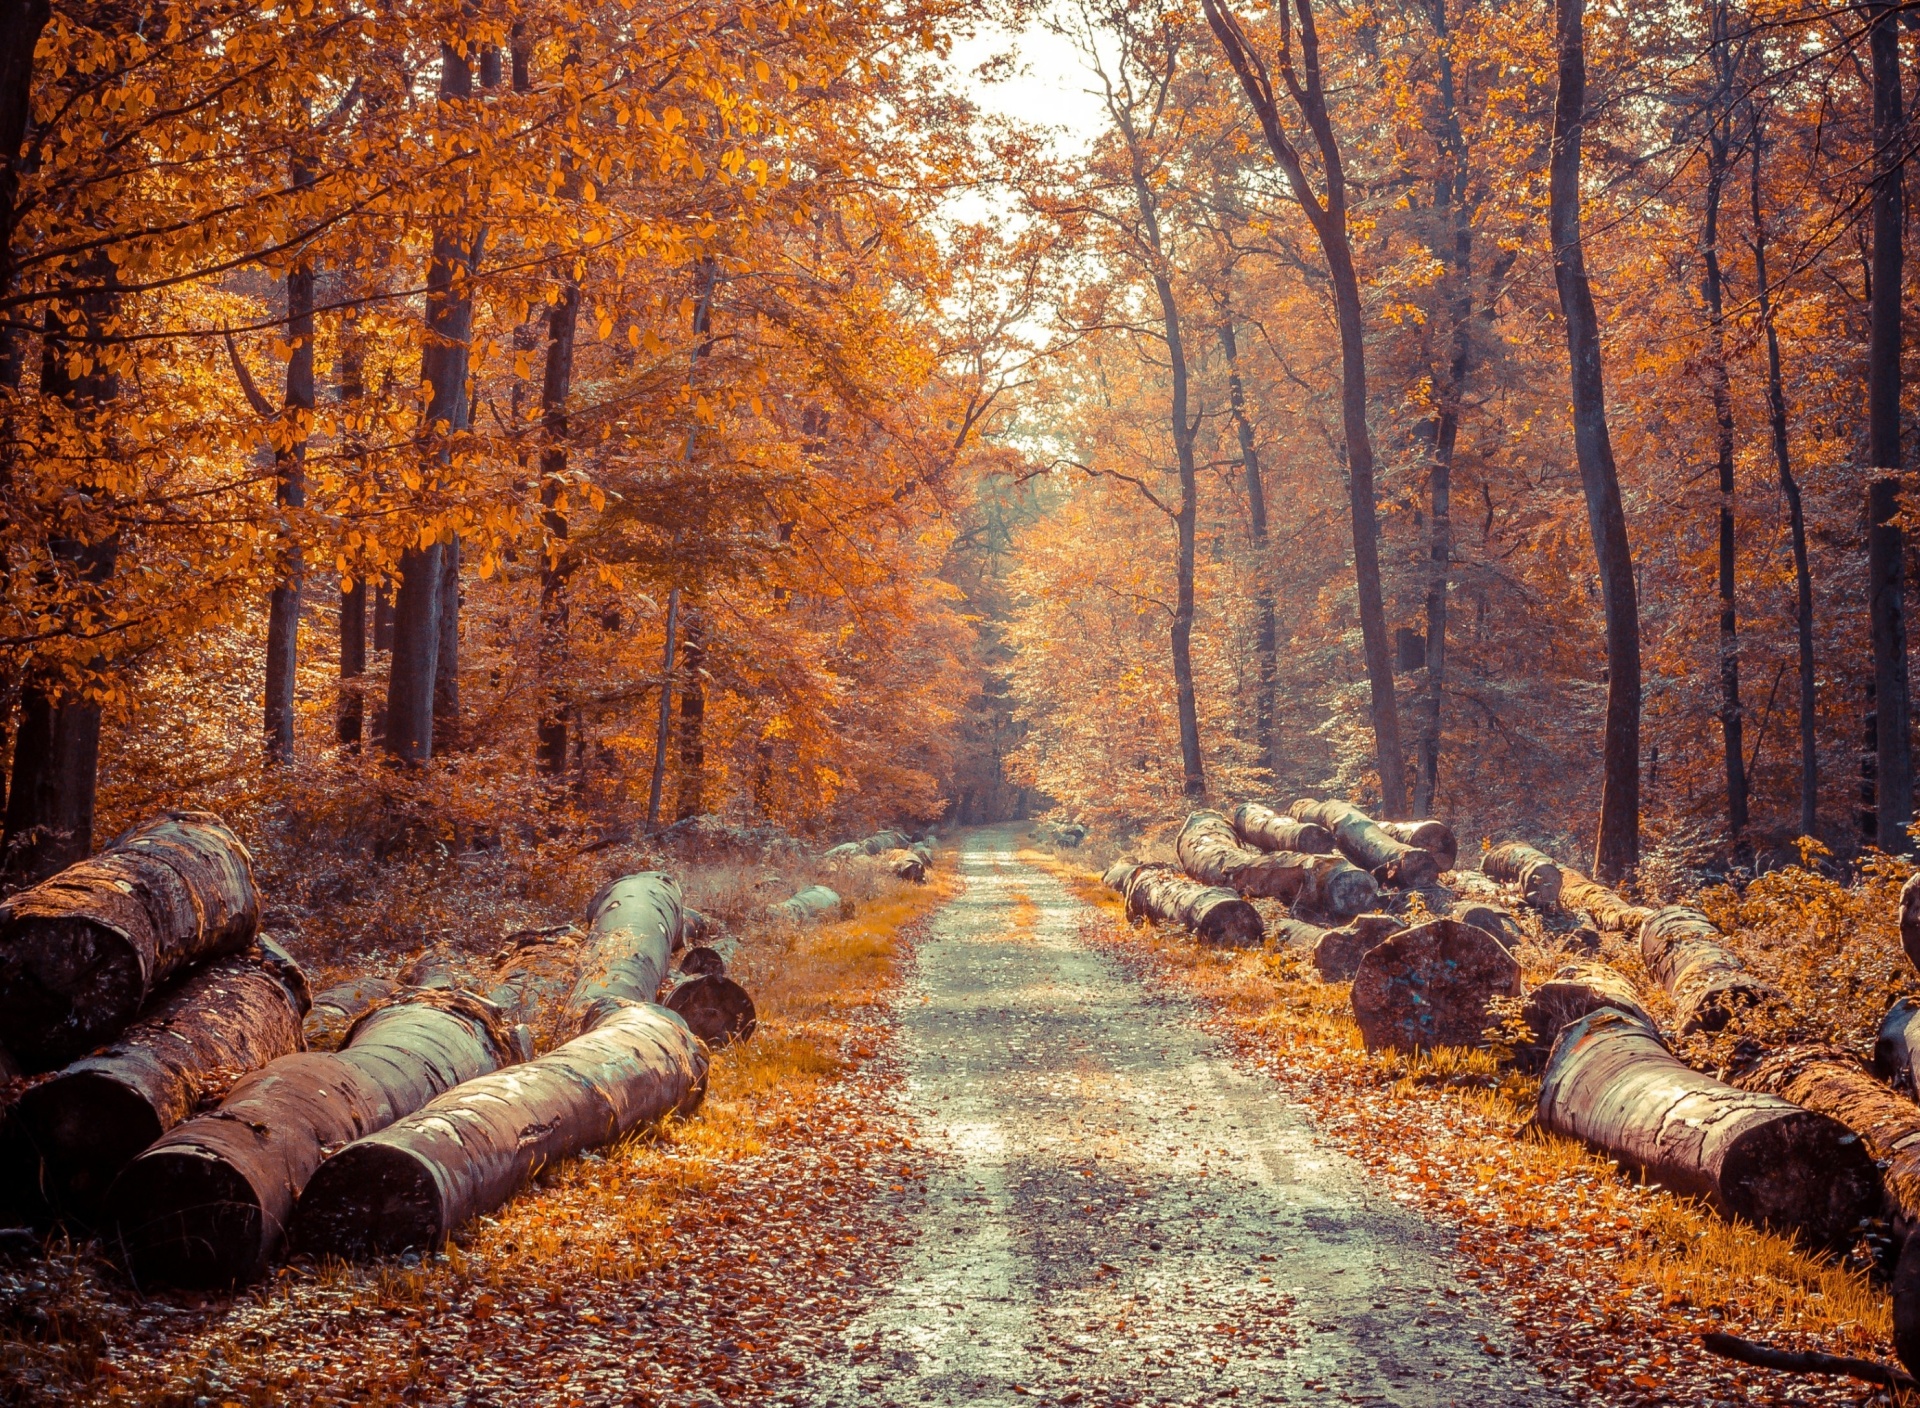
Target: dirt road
(1122, 1216)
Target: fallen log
(531, 979)
(700, 960)
(469, 1151)
(1807, 1361)
(1570, 994)
(1118, 874)
(1261, 828)
(1831, 1082)
(1215, 915)
(904, 865)
(1434, 836)
(337, 1008)
(698, 927)
(82, 952)
(1496, 921)
(1611, 914)
(1361, 841)
(633, 928)
(1896, 1052)
(715, 1008)
(1538, 875)
(1430, 985)
(74, 1131)
(207, 1205)
(1708, 982)
(1337, 953)
(438, 967)
(814, 905)
(1910, 919)
(1211, 853)
(1612, 1083)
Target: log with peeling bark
(1896, 1052)
(814, 905)
(533, 975)
(1434, 836)
(1611, 914)
(633, 928)
(337, 1008)
(1261, 828)
(1831, 1082)
(469, 1151)
(1337, 953)
(72, 1132)
(1612, 1083)
(82, 952)
(1430, 985)
(1708, 982)
(1360, 840)
(1538, 876)
(1910, 919)
(1214, 914)
(207, 1206)
(1211, 852)
(1570, 994)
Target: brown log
(1214, 914)
(1261, 828)
(1212, 854)
(469, 1151)
(1298, 933)
(337, 1008)
(700, 960)
(82, 952)
(1539, 876)
(1807, 1361)
(72, 1132)
(697, 927)
(1829, 1081)
(1910, 919)
(1361, 841)
(1434, 836)
(440, 966)
(715, 1007)
(532, 977)
(1118, 874)
(904, 864)
(1708, 982)
(1496, 921)
(207, 1206)
(1570, 994)
(814, 905)
(1430, 985)
(1612, 1083)
(1611, 914)
(1337, 953)
(1896, 1052)
(633, 928)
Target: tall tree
(1617, 847)
(1265, 633)
(290, 492)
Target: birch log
(1434, 836)
(814, 905)
(1361, 841)
(1611, 914)
(1211, 852)
(82, 952)
(1430, 985)
(337, 1008)
(1261, 828)
(633, 928)
(1570, 994)
(1613, 1084)
(1708, 982)
(1831, 1082)
(1215, 915)
(1537, 874)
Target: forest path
(1116, 1214)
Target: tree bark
(1211, 853)
(208, 1205)
(1910, 919)
(814, 905)
(81, 953)
(337, 1008)
(556, 385)
(633, 928)
(1261, 828)
(1896, 1051)
(1495, 920)
(1617, 847)
(470, 1150)
(1709, 983)
(1265, 632)
(659, 780)
(691, 800)
(446, 667)
(1611, 914)
(1541, 881)
(1434, 836)
(76, 1130)
(1214, 915)
(1831, 1082)
(1573, 992)
(1361, 841)
(1430, 985)
(290, 492)
(1613, 1084)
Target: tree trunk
(208, 1205)
(1337, 952)
(351, 723)
(1611, 914)
(1708, 982)
(1263, 829)
(1617, 848)
(469, 1151)
(81, 953)
(1389, 861)
(21, 22)
(556, 386)
(659, 780)
(1573, 992)
(1540, 880)
(290, 492)
(76, 1130)
(1430, 985)
(693, 714)
(633, 928)
(1434, 836)
(1215, 915)
(1830, 1082)
(1612, 1083)
(1265, 632)
(1896, 1052)
(337, 1008)
(446, 669)
(1796, 517)
(1212, 854)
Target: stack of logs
(182, 1093)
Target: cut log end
(1337, 952)
(1430, 985)
(700, 960)
(1807, 1171)
(716, 1009)
(370, 1199)
(208, 1234)
(79, 1133)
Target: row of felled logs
(1215, 914)
(1534, 873)
(1363, 841)
(1211, 852)
(1709, 983)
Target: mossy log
(74, 1131)
(1430, 985)
(1337, 952)
(207, 1206)
(1538, 876)
(1611, 914)
(814, 905)
(1214, 914)
(1708, 982)
(1570, 994)
(1434, 836)
(1211, 853)
(337, 1008)
(1831, 1082)
(469, 1151)
(1360, 840)
(1261, 828)
(633, 928)
(1612, 1083)
(82, 952)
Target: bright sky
(1053, 88)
